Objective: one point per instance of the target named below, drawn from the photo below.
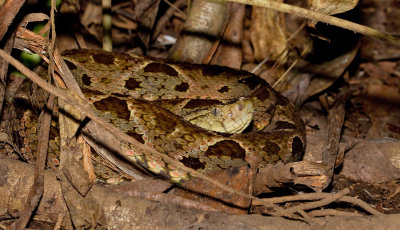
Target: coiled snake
(149, 99)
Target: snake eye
(239, 107)
(216, 112)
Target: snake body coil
(149, 99)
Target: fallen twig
(298, 11)
(361, 204)
(320, 203)
(318, 196)
(335, 122)
(331, 212)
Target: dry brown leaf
(124, 23)
(229, 51)
(383, 71)
(146, 20)
(330, 7)
(267, 34)
(328, 72)
(91, 19)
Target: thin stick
(107, 24)
(318, 196)
(331, 212)
(319, 203)
(52, 41)
(361, 204)
(336, 117)
(8, 46)
(298, 11)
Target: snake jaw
(239, 116)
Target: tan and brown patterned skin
(128, 91)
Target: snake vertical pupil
(216, 112)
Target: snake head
(227, 118)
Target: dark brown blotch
(261, 94)
(193, 163)
(223, 89)
(70, 65)
(104, 58)
(281, 100)
(226, 148)
(115, 105)
(251, 82)
(175, 101)
(297, 148)
(271, 148)
(129, 59)
(197, 103)
(89, 91)
(125, 57)
(165, 120)
(132, 84)
(157, 67)
(183, 87)
(212, 70)
(270, 109)
(86, 80)
(119, 95)
(136, 135)
(284, 125)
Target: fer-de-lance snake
(171, 107)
